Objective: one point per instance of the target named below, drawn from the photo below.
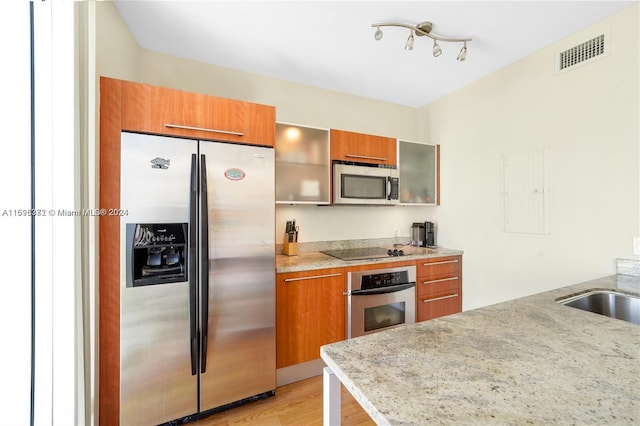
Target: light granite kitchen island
(525, 361)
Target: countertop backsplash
(628, 275)
(628, 267)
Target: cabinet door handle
(441, 263)
(440, 298)
(179, 126)
(365, 157)
(440, 280)
(313, 277)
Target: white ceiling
(330, 44)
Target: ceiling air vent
(582, 54)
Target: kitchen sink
(609, 303)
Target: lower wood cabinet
(438, 287)
(310, 309)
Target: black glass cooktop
(358, 253)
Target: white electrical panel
(526, 192)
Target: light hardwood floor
(298, 404)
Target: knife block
(290, 249)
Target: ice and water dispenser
(156, 253)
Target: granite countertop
(529, 360)
(306, 261)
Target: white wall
(588, 117)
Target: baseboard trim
(295, 373)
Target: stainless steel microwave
(364, 184)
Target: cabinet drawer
(441, 267)
(441, 285)
(437, 306)
(159, 110)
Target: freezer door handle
(193, 265)
(204, 262)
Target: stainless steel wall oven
(380, 299)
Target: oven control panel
(365, 280)
(384, 279)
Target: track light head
(437, 51)
(409, 44)
(463, 53)
(378, 34)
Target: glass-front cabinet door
(419, 175)
(303, 168)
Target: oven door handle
(382, 290)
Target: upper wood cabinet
(159, 110)
(362, 148)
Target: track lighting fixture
(423, 29)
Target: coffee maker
(423, 234)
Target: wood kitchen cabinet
(310, 312)
(419, 166)
(363, 148)
(438, 287)
(160, 110)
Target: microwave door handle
(388, 187)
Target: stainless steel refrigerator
(197, 325)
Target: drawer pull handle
(440, 263)
(179, 126)
(365, 157)
(440, 280)
(313, 277)
(440, 298)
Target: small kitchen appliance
(365, 184)
(431, 234)
(423, 234)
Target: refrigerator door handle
(204, 263)
(193, 265)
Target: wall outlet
(636, 245)
(396, 231)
